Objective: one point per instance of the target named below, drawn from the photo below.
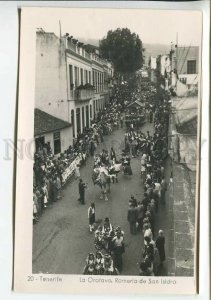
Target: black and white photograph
(115, 128)
(114, 173)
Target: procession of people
(52, 173)
(152, 148)
(152, 151)
(109, 246)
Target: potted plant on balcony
(89, 86)
(80, 87)
(86, 86)
(84, 92)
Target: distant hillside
(93, 42)
(154, 50)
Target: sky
(152, 26)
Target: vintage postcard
(107, 184)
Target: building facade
(179, 69)
(72, 83)
(186, 61)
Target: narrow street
(61, 238)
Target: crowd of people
(152, 149)
(52, 172)
(142, 214)
(109, 246)
(106, 168)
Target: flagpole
(60, 30)
(176, 50)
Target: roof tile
(44, 123)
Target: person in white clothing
(77, 172)
(91, 216)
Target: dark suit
(160, 244)
(132, 219)
(81, 188)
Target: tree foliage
(124, 49)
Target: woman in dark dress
(128, 167)
(113, 154)
(160, 245)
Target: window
(73, 121)
(57, 142)
(98, 82)
(78, 120)
(94, 108)
(83, 120)
(93, 78)
(71, 76)
(191, 67)
(103, 81)
(90, 111)
(86, 77)
(95, 81)
(87, 116)
(82, 77)
(76, 76)
(90, 81)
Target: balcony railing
(84, 94)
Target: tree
(124, 49)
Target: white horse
(101, 178)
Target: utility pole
(171, 61)
(60, 30)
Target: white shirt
(118, 241)
(91, 211)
